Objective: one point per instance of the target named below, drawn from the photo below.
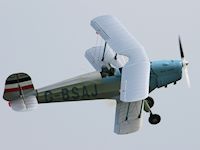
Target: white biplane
(123, 72)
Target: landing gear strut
(148, 104)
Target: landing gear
(153, 118)
(150, 102)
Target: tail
(20, 92)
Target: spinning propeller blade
(185, 63)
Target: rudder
(17, 85)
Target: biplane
(123, 72)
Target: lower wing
(128, 117)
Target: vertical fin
(17, 85)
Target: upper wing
(135, 74)
(128, 117)
(95, 54)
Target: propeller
(185, 63)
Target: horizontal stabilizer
(24, 104)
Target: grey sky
(47, 39)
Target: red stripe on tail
(18, 89)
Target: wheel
(154, 119)
(150, 101)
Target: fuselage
(92, 86)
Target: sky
(47, 39)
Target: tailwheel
(154, 119)
(150, 102)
